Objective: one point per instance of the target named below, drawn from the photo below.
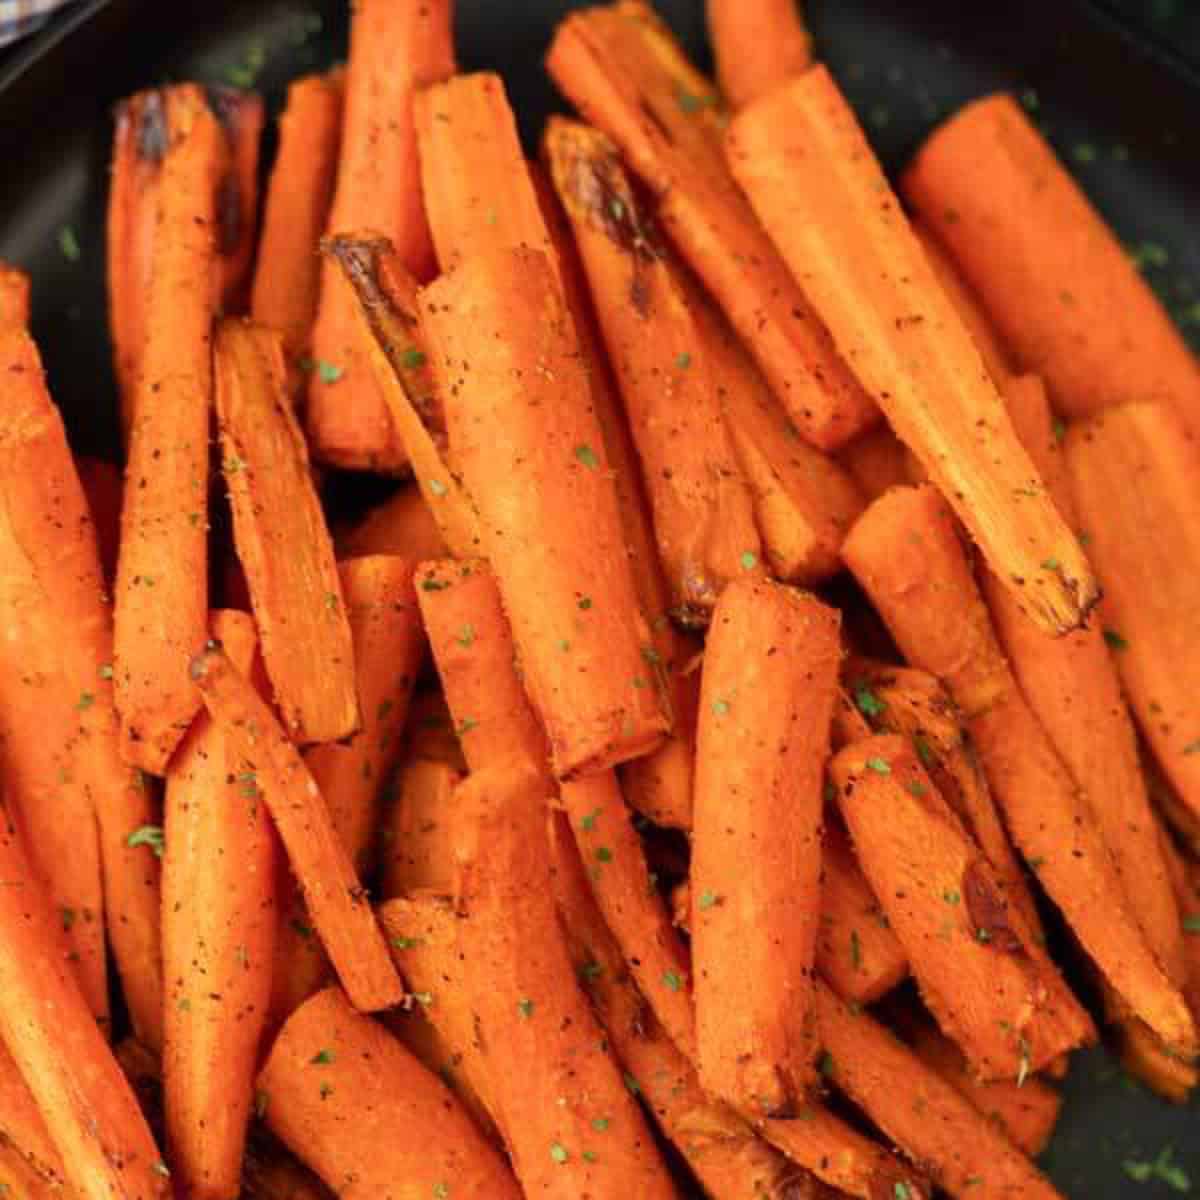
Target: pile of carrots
(666, 847)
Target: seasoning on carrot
(401, 525)
(767, 696)
(417, 852)
(281, 537)
(353, 1104)
(822, 196)
(23, 1129)
(1058, 285)
(395, 49)
(757, 46)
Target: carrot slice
(14, 298)
(395, 49)
(219, 920)
(757, 46)
(281, 538)
(770, 679)
(104, 489)
(619, 66)
(1060, 287)
(418, 852)
(320, 861)
(532, 455)
(350, 1101)
(401, 525)
(819, 190)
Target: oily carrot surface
(335, 898)
(282, 541)
(14, 298)
(161, 591)
(1059, 286)
(395, 49)
(401, 525)
(767, 696)
(22, 1126)
(757, 46)
(623, 71)
(218, 931)
(814, 182)
(104, 489)
(418, 830)
(532, 456)
(353, 1104)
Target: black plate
(1117, 105)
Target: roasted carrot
(757, 46)
(287, 275)
(822, 196)
(532, 456)
(622, 70)
(14, 298)
(282, 541)
(877, 460)
(1185, 879)
(573, 1127)
(925, 1116)
(353, 1104)
(161, 590)
(429, 732)
(1054, 279)
(401, 525)
(906, 552)
(394, 50)
(88, 1108)
(335, 898)
(989, 984)
(1133, 472)
(104, 490)
(271, 1173)
(767, 696)
(23, 1129)
(218, 929)
(19, 1180)
(417, 851)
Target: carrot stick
(1054, 279)
(757, 46)
(1143, 457)
(906, 553)
(281, 538)
(574, 1129)
(1145, 1057)
(532, 456)
(19, 1180)
(979, 969)
(621, 69)
(395, 49)
(822, 196)
(877, 460)
(219, 921)
(767, 695)
(430, 731)
(401, 525)
(88, 1107)
(14, 298)
(287, 276)
(349, 1100)
(418, 852)
(925, 1116)
(104, 489)
(857, 953)
(54, 562)
(23, 1129)
(1185, 879)
(336, 900)
(161, 613)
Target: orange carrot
(770, 679)
(401, 525)
(395, 49)
(822, 196)
(574, 1129)
(417, 836)
(336, 899)
(104, 490)
(218, 926)
(622, 70)
(532, 456)
(14, 298)
(21, 1181)
(161, 591)
(349, 1100)
(88, 1108)
(281, 538)
(877, 460)
(288, 272)
(757, 46)
(906, 552)
(23, 1129)
(1059, 286)
(1185, 879)
(1134, 472)
(430, 731)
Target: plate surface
(1116, 107)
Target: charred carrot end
(417, 851)
(1061, 289)
(14, 298)
(161, 610)
(532, 456)
(335, 897)
(402, 525)
(349, 1100)
(384, 295)
(757, 46)
(287, 276)
(769, 685)
(395, 49)
(816, 186)
(282, 541)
